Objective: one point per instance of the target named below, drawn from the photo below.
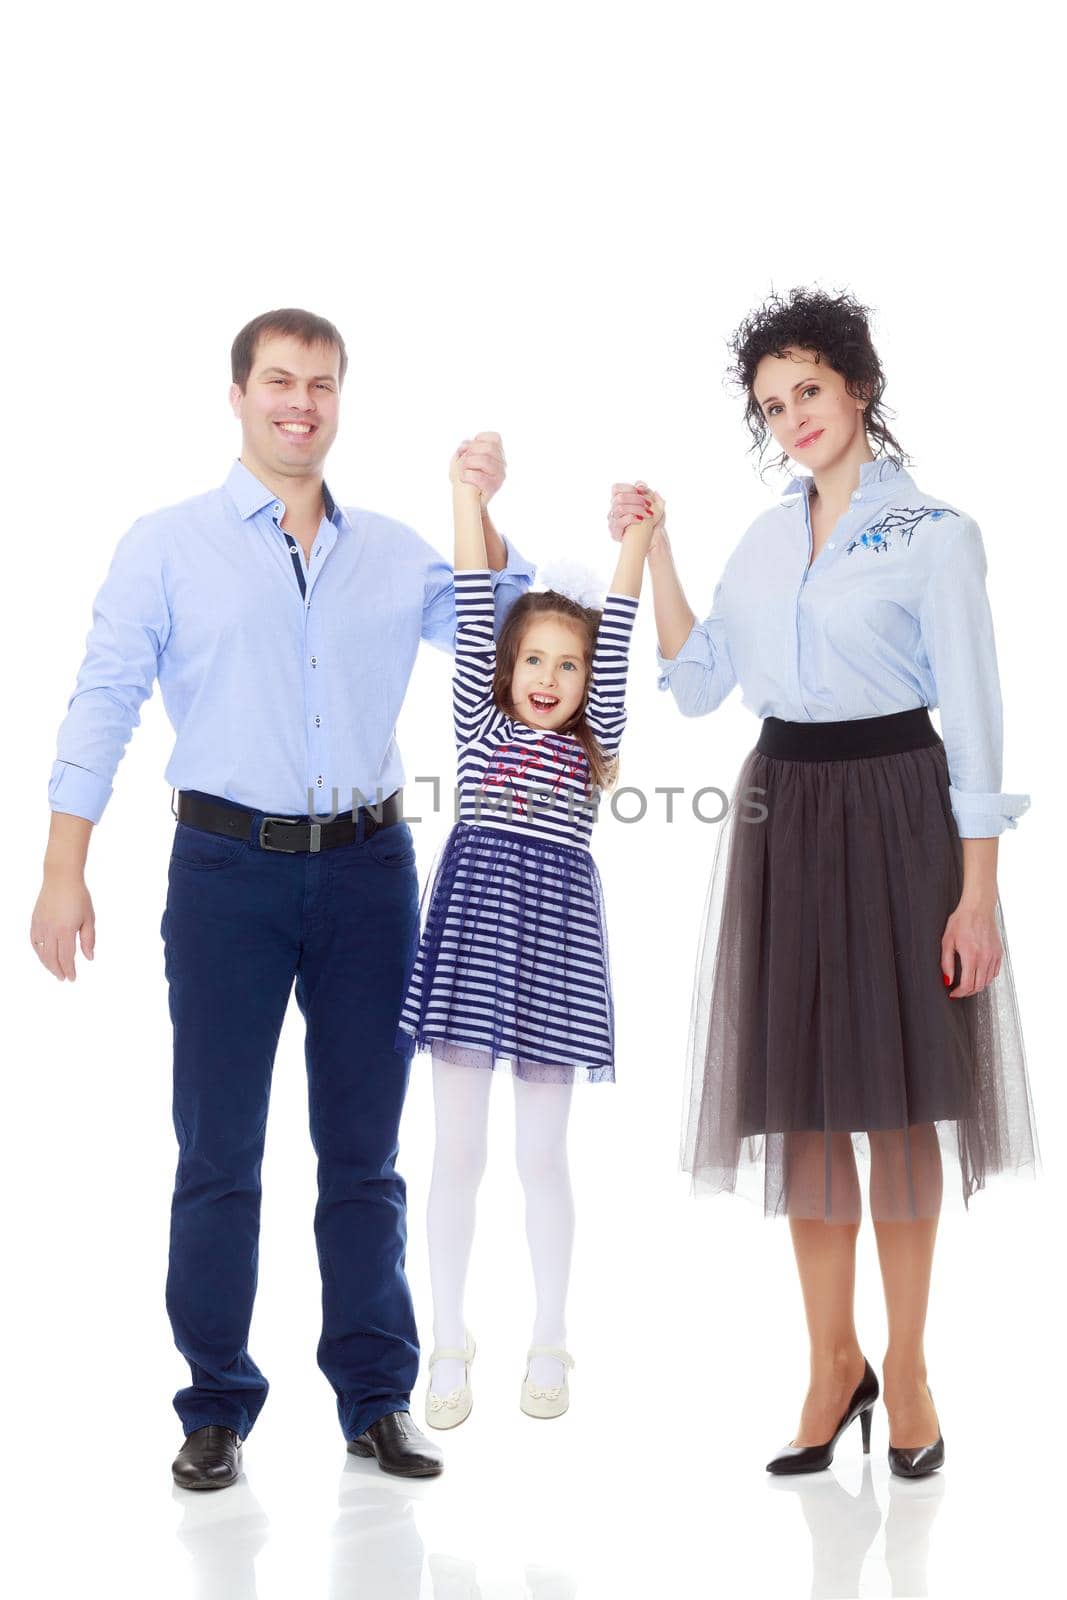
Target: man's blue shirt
(282, 678)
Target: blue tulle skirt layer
(512, 966)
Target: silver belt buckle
(290, 850)
(284, 849)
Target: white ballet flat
(449, 1410)
(553, 1402)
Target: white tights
(461, 1111)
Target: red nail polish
(639, 517)
(948, 980)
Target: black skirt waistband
(848, 740)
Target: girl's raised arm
(470, 553)
(606, 703)
(474, 708)
(694, 657)
(633, 506)
(636, 541)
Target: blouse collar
(879, 480)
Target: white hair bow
(579, 583)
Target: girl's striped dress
(512, 964)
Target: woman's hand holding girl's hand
(479, 464)
(636, 505)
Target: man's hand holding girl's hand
(479, 463)
(636, 505)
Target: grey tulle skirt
(821, 1026)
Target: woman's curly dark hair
(837, 328)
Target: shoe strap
(466, 1355)
(556, 1351)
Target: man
(283, 629)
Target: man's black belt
(291, 834)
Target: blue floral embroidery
(899, 519)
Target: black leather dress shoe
(399, 1447)
(816, 1457)
(210, 1458)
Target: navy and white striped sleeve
(606, 706)
(474, 710)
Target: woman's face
(807, 408)
(548, 680)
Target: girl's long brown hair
(546, 602)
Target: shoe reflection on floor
(844, 1526)
(453, 1578)
(223, 1531)
(376, 1548)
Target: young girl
(854, 993)
(513, 961)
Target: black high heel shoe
(921, 1460)
(816, 1457)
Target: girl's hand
(971, 932)
(456, 478)
(479, 463)
(644, 533)
(633, 504)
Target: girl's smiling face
(807, 408)
(549, 677)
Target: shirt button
(318, 721)
(318, 780)
(314, 661)
(292, 549)
(831, 545)
(277, 509)
(857, 495)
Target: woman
(854, 991)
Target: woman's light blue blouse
(892, 614)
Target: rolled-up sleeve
(702, 674)
(956, 627)
(131, 625)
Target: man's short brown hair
(302, 325)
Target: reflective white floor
(836, 1535)
(586, 1506)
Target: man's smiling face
(289, 407)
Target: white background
(545, 220)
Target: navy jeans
(241, 923)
